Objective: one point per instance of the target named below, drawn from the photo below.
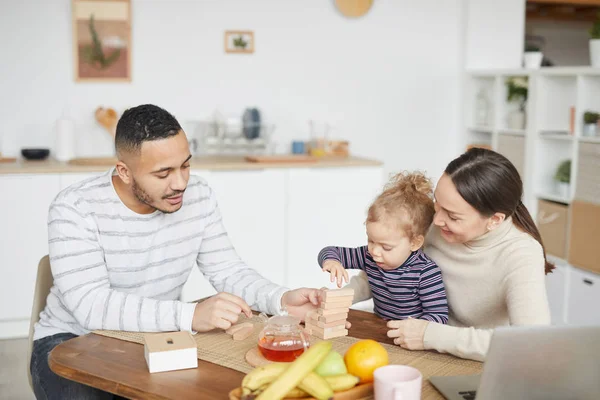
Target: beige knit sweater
(494, 280)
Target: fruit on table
(338, 383)
(259, 379)
(364, 357)
(297, 371)
(333, 364)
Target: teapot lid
(284, 321)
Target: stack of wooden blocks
(329, 321)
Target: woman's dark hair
(491, 184)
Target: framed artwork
(239, 42)
(102, 40)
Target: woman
(491, 256)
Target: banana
(339, 383)
(297, 371)
(316, 386)
(261, 376)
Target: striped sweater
(414, 289)
(119, 270)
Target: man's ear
(416, 243)
(124, 172)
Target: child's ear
(416, 243)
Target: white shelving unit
(548, 135)
(551, 135)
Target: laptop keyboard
(470, 395)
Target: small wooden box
(170, 351)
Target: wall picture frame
(102, 40)
(241, 42)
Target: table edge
(98, 383)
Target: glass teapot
(282, 339)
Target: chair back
(43, 283)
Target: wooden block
(331, 293)
(327, 333)
(335, 305)
(340, 333)
(340, 299)
(332, 318)
(170, 351)
(332, 311)
(313, 319)
(234, 328)
(315, 328)
(243, 333)
(335, 324)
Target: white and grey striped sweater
(119, 270)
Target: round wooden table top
(119, 367)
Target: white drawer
(556, 286)
(584, 298)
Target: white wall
(566, 43)
(495, 33)
(389, 81)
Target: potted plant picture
(590, 123)
(595, 43)
(563, 179)
(532, 59)
(516, 92)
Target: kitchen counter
(202, 162)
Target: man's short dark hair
(144, 123)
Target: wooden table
(119, 367)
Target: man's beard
(143, 197)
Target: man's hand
(220, 311)
(408, 333)
(301, 301)
(337, 271)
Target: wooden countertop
(217, 163)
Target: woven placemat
(219, 348)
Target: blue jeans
(47, 385)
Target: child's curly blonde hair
(407, 200)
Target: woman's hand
(337, 271)
(408, 333)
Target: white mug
(397, 382)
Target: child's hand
(337, 271)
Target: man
(123, 244)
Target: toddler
(405, 282)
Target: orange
(364, 357)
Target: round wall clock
(353, 8)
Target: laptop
(552, 362)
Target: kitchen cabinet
(67, 180)
(584, 297)
(556, 288)
(23, 241)
(277, 219)
(252, 205)
(325, 208)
